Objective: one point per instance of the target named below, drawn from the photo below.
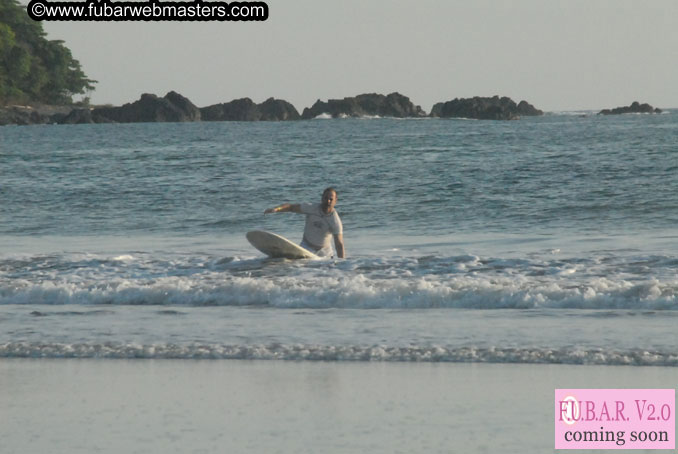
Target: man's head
(329, 199)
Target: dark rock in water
(394, 105)
(528, 110)
(76, 116)
(20, 116)
(80, 116)
(171, 108)
(336, 108)
(635, 107)
(189, 110)
(246, 110)
(277, 110)
(479, 108)
(237, 110)
(31, 115)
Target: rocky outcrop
(149, 108)
(278, 110)
(81, 116)
(246, 110)
(76, 116)
(366, 105)
(635, 107)
(479, 108)
(174, 107)
(237, 110)
(32, 115)
(526, 109)
(21, 116)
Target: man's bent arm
(339, 245)
(285, 207)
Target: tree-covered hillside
(32, 68)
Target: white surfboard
(277, 246)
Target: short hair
(330, 188)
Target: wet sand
(182, 406)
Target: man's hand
(294, 208)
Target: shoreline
(174, 107)
(80, 406)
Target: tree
(33, 68)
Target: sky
(556, 54)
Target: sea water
(546, 240)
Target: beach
(177, 406)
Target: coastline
(173, 107)
(158, 110)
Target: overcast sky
(556, 54)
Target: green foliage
(32, 68)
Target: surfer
(322, 223)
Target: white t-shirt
(320, 226)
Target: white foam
(305, 352)
(400, 290)
(574, 113)
(465, 281)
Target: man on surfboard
(322, 223)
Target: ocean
(545, 241)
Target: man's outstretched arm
(285, 207)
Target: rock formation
(393, 105)
(278, 110)
(32, 115)
(636, 107)
(479, 108)
(246, 110)
(237, 110)
(174, 107)
(150, 108)
(16, 115)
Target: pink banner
(615, 418)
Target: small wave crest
(355, 292)
(465, 281)
(301, 352)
